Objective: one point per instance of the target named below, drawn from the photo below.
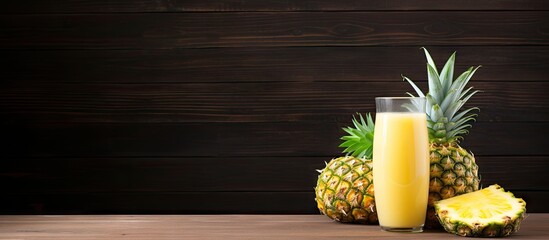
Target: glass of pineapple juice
(401, 163)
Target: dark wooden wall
(199, 106)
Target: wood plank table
(226, 227)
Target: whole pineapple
(453, 170)
(345, 189)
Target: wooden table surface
(227, 227)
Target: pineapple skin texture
(453, 171)
(494, 229)
(345, 191)
(502, 228)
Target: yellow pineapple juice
(401, 169)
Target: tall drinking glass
(401, 163)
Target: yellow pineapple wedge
(490, 212)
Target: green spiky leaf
(418, 91)
(435, 87)
(445, 99)
(447, 73)
(430, 59)
(359, 142)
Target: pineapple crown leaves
(359, 142)
(445, 99)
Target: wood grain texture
(230, 202)
(300, 64)
(234, 139)
(246, 102)
(166, 31)
(87, 6)
(211, 227)
(229, 106)
(209, 174)
(228, 227)
(306, 227)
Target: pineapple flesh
(345, 189)
(490, 212)
(453, 170)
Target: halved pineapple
(490, 212)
